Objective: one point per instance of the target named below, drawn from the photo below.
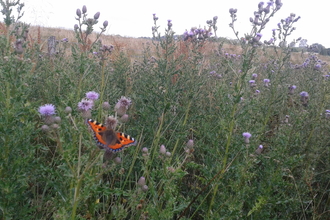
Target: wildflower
(266, 82)
(84, 9)
(144, 188)
(142, 181)
(124, 118)
(75, 27)
(105, 24)
(168, 154)
(169, 24)
(111, 122)
(162, 149)
(106, 105)
(122, 105)
(254, 76)
(92, 95)
(45, 128)
(65, 40)
(286, 119)
(327, 114)
(252, 83)
(117, 160)
(257, 37)
(246, 136)
(78, 13)
(85, 105)
(55, 126)
(190, 143)
(304, 94)
(57, 119)
(257, 92)
(291, 89)
(259, 149)
(304, 98)
(97, 15)
(47, 110)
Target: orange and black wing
(108, 139)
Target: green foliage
(178, 93)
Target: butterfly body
(109, 139)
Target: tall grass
(191, 102)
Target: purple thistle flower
(85, 105)
(246, 136)
(304, 94)
(92, 95)
(124, 102)
(47, 110)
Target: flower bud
(75, 27)
(78, 13)
(124, 118)
(162, 149)
(84, 9)
(57, 119)
(142, 181)
(45, 128)
(106, 105)
(190, 143)
(97, 15)
(117, 160)
(144, 188)
(105, 24)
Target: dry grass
(133, 47)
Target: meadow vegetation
(223, 131)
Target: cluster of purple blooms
(197, 34)
(312, 61)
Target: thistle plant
(88, 24)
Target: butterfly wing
(108, 139)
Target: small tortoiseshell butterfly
(108, 138)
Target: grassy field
(222, 130)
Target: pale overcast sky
(134, 17)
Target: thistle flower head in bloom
(292, 88)
(266, 82)
(47, 110)
(92, 95)
(122, 105)
(304, 94)
(304, 98)
(246, 136)
(254, 76)
(259, 149)
(85, 105)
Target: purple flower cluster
(311, 62)
(198, 34)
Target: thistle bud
(78, 13)
(97, 15)
(105, 24)
(84, 9)
(142, 181)
(76, 27)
